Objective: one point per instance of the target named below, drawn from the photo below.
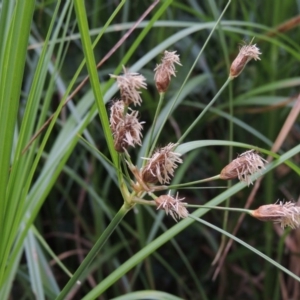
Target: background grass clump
(63, 186)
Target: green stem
(144, 202)
(148, 153)
(254, 250)
(242, 210)
(205, 110)
(192, 69)
(175, 186)
(94, 251)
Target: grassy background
(59, 196)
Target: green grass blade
(92, 69)
(11, 74)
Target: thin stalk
(192, 68)
(175, 186)
(250, 248)
(225, 208)
(94, 251)
(143, 202)
(230, 157)
(148, 153)
(205, 110)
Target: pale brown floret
(243, 167)
(287, 214)
(165, 70)
(247, 52)
(116, 114)
(129, 85)
(161, 166)
(126, 128)
(172, 206)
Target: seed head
(287, 214)
(129, 85)
(172, 206)
(247, 52)
(243, 167)
(161, 166)
(116, 114)
(126, 128)
(165, 70)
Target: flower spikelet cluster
(161, 166)
(247, 52)
(172, 206)
(165, 70)
(130, 85)
(287, 214)
(243, 167)
(126, 128)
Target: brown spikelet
(247, 52)
(126, 128)
(161, 166)
(172, 206)
(243, 167)
(287, 214)
(165, 70)
(129, 85)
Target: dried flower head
(287, 214)
(247, 52)
(172, 206)
(243, 167)
(129, 85)
(165, 70)
(117, 110)
(160, 167)
(126, 128)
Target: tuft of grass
(78, 219)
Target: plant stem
(242, 210)
(144, 202)
(175, 186)
(94, 251)
(205, 110)
(148, 153)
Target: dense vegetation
(70, 204)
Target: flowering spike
(287, 214)
(243, 167)
(126, 128)
(247, 52)
(116, 114)
(161, 166)
(129, 85)
(165, 70)
(172, 206)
